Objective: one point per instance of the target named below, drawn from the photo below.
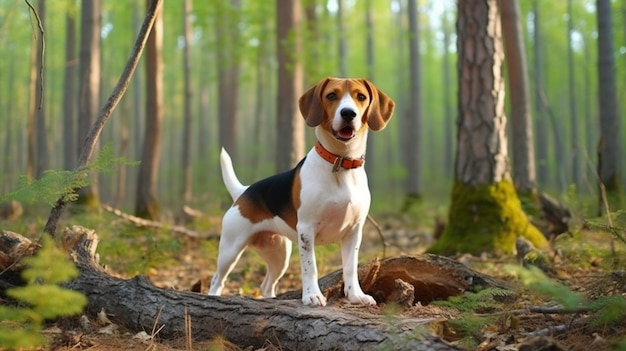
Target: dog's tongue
(346, 132)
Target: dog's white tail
(234, 186)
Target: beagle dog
(324, 199)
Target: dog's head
(346, 107)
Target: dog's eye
(361, 97)
(331, 96)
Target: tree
(447, 95)
(484, 207)
(89, 88)
(413, 126)
(541, 124)
(524, 173)
(146, 203)
(186, 149)
(69, 91)
(608, 146)
(228, 73)
(41, 139)
(573, 109)
(290, 125)
(341, 41)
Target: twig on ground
(142, 222)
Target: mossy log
(486, 218)
(138, 305)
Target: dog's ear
(310, 104)
(380, 109)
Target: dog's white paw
(314, 300)
(362, 299)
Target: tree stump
(138, 305)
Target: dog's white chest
(337, 203)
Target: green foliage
(54, 185)
(468, 325)
(42, 297)
(611, 310)
(483, 299)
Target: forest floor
(589, 263)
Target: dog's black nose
(347, 114)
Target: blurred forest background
(221, 62)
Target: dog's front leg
(311, 293)
(350, 245)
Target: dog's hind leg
(232, 244)
(275, 250)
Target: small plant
(468, 325)
(40, 299)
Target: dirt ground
(584, 262)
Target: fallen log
(139, 306)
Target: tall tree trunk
(484, 205)
(261, 99)
(89, 89)
(608, 148)
(31, 146)
(370, 165)
(341, 41)
(312, 43)
(541, 125)
(146, 205)
(290, 125)
(447, 98)
(11, 165)
(524, 173)
(573, 108)
(413, 126)
(186, 149)
(228, 74)
(69, 91)
(41, 139)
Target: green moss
(485, 218)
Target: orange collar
(338, 161)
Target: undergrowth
(41, 299)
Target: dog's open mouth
(345, 133)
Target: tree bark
(608, 148)
(147, 205)
(89, 90)
(485, 206)
(228, 39)
(137, 305)
(41, 135)
(575, 155)
(524, 173)
(69, 92)
(290, 125)
(541, 125)
(186, 149)
(413, 126)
